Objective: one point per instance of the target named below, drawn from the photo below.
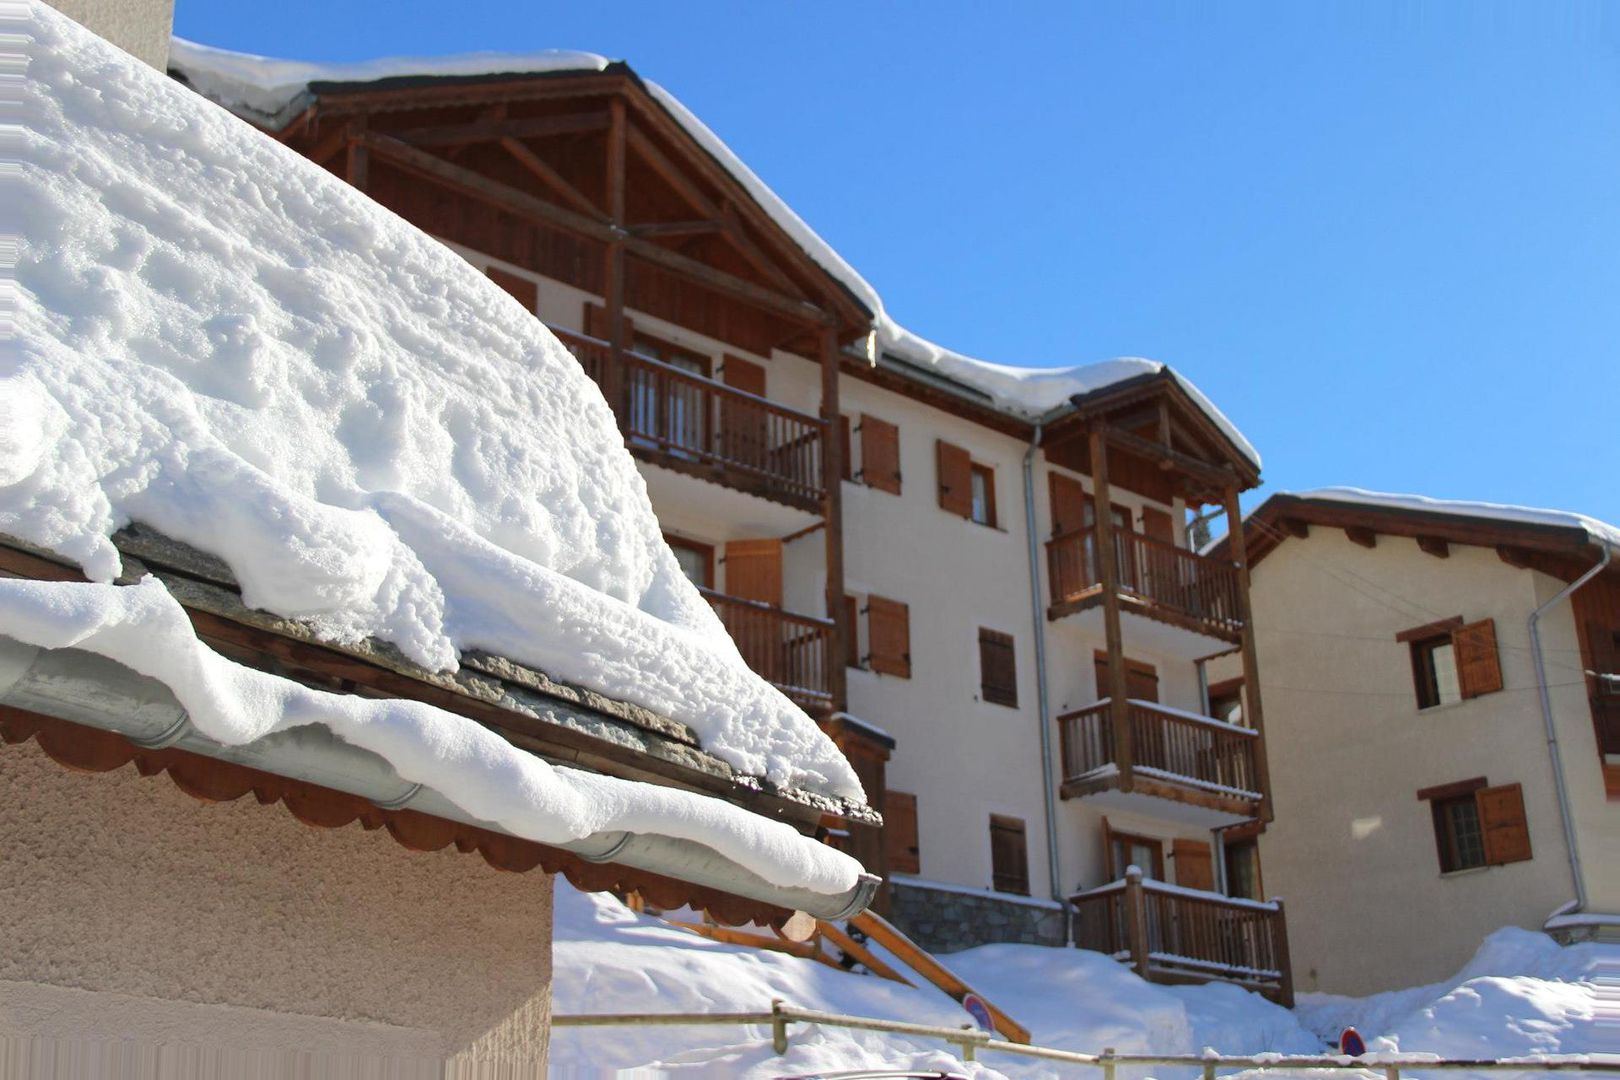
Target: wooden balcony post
(832, 513)
(1136, 920)
(613, 287)
(1253, 712)
(357, 158)
(1114, 639)
(1285, 962)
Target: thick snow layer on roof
(264, 87)
(144, 628)
(222, 341)
(1601, 532)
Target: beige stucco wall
(135, 912)
(139, 27)
(1352, 848)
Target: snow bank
(265, 88)
(1521, 994)
(144, 628)
(607, 959)
(221, 340)
(1601, 532)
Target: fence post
(1392, 1072)
(1136, 920)
(1209, 1070)
(778, 1028)
(1107, 1063)
(968, 1045)
(1285, 960)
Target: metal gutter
(1560, 785)
(85, 688)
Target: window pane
(1462, 823)
(694, 563)
(981, 501)
(1447, 688)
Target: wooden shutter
(1479, 670)
(754, 570)
(847, 445)
(888, 636)
(1069, 502)
(852, 631)
(998, 668)
(1157, 525)
(900, 832)
(1009, 855)
(880, 454)
(1195, 864)
(1501, 821)
(955, 478)
(520, 289)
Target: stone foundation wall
(946, 921)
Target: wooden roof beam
(528, 206)
(489, 130)
(1357, 534)
(677, 228)
(551, 177)
(1434, 545)
(1218, 475)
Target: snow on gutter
(270, 91)
(125, 659)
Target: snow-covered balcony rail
(1165, 579)
(791, 651)
(1161, 744)
(1173, 934)
(698, 425)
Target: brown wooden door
(754, 570)
(1195, 865)
(1141, 680)
(1070, 504)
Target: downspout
(1043, 700)
(1553, 751)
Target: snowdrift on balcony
(218, 339)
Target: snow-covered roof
(218, 339)
(1599, 532)
(270, 90)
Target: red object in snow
(1351, 1044)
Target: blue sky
(1384, 238)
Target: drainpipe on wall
(1042, 698)
(1559, 785)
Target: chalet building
(1444, 725)
(981, 586)
(242, 844)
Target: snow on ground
(1523, 994)
(219, 339)
(267, 89)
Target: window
(521, 289)
(1603, 659)
(998, 668)
(984, 495)
(1226, 700)
(900, 832)
(1477, 825)
(1243, 868)
(696, 560)
(1125, 850)
(966, 488)
(1009, 855)
(1453, 660)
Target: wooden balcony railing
(790, 651)
(1175, 747)
(1164, 576)
(696, 424)
(1174, 934)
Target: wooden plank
(1253, 714)
(805, 950)
(676, 228)
(860, 953)
(919, 960)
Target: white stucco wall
(139, 27)
(135, 912)
(1352, 847)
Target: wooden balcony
(707, 429)
(1156, 579)
(792, 652)
(1161, 753)
(1172, 934)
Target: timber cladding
(888, 635)
(880, 454)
